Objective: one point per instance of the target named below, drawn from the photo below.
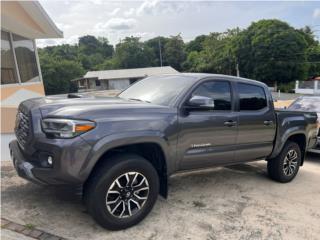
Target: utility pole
(160, 53)
(237, 69)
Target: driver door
(207, 136)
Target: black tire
(278, 167)
(97, 187)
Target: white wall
(6, 138)
(119, 84)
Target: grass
(30, 226)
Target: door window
(251, 97)
(218, 91)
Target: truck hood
(89, 107)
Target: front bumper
(69, 159)
(22, 166)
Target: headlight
(65, 128)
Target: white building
(118, 79)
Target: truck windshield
(160, 90)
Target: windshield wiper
(140, 100)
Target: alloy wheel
(290, 163)
(127, 194)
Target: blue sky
(147, 19)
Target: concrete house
(118, 79)
(21, 23)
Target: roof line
(52, 24)
(39, 14)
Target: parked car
(124, 149)
(309, 104)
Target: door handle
(268, 123)
(230, 123)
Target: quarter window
(251, 97)
(219, 91)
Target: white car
(312, 104)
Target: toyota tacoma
(123, 149)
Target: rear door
(208, 137)
(257, 124)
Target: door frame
(187, 95)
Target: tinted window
(219, 91)
(251, 97)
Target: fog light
(50, 160)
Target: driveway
(236, 202)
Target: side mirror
(201, 102)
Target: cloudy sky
(147, 19)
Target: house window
(81, 83)
(8, 69)
(26, 59)
(98, 83)
(18, 59)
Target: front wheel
(122, 192)
(285, 166)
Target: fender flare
(122, 139)
(279, 143)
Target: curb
(28, 231)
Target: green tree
(131, 53)
(196, 44)
(196, 62)
(57, 74)
(216, 54)
(313, 52)
(272, 51)
(156, 44)
(93, 51)
(89, 44)
(174, 53)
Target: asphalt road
(236, 202)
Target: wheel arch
(153, 148)
(297, 137)
(301, 140)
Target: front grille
(22, 128)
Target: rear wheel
(122, 192)
(286, 165)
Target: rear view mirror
(201, 102)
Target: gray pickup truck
(122, 150)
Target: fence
(308, 87)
